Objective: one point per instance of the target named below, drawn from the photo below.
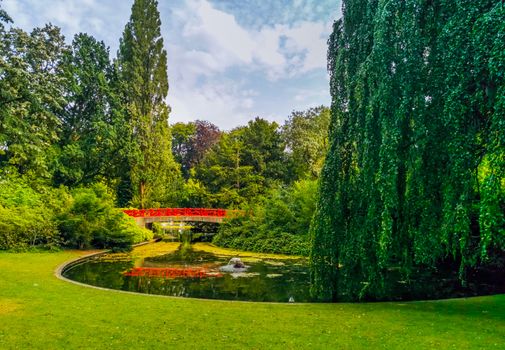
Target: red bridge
(145, 216)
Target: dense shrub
(23, 227)
(277, 223)
(43, 216)
(92, 221)
(24, 220)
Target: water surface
(195, 271)
(266, 279)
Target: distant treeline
(81, 133)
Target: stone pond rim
(58, 273)
(60, 270)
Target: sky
(229, 61)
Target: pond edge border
(58, 273)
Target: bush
(278, 223)
(24, 220)
(92, 221)
(25, 227)
(49, 217)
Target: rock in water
(236, 262)
(234, 265)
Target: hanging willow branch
(415, 175)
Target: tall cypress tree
(144, 83)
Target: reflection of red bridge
(171, 272)
(146, 216)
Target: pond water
(203, 271)
(195, 271)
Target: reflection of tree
(106, 273)
(99, 273)
(183, 256)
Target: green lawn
(37, 310)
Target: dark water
(265, 280)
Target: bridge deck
(145, 216)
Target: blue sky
(228, 60)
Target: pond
(199, 271)
(202, 270)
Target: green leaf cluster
(277, 222)
(142, 64)
(414, 177)
(91, 220)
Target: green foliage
(50, 217)
(414, 173)
(194, 195)
(31, 93)
(93, 133)
(305, 135)
(142, 62)
(157, 229)
(182, 135)
(24, 219)
(191, 141)
(277, 223)
(244, 164)
(92, 221)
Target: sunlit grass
(39, 311)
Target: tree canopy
(415, 175)
(142, 62)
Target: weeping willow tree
(415, 174)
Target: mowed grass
(37, 310)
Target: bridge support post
(141, 222)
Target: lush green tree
(305, 135)
(31, 95)
(277, 222)
(264, 149)
(242, 164)
(195, 195)
(248, 161)
(408, 183)
(93, 130)
(90, 220)
(222, 172)
(143, 72)
(182, 134)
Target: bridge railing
(157, 212)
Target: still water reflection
(195, 273)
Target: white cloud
(103, 19)
(310, 39)
(212, 43)
(70, 14)
(220, 32)
(227, 104)
(220, 37)
(14, 10)
(220, 68)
